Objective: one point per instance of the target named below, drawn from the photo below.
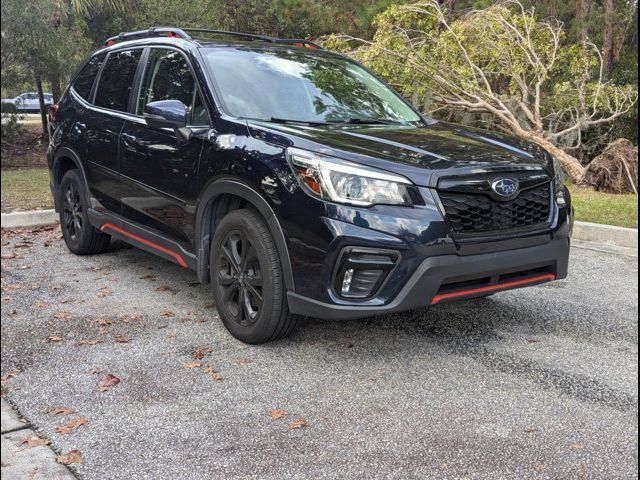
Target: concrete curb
(583, 231)
(34, 218)
(596, 233)
(21, 462)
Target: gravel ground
(535, 383)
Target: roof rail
(151, 32)
(184, 34)
(265, 38)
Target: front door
(102, 126)
(159, 171)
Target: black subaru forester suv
(295, 181)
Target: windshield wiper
(296, 122)
(368, 121)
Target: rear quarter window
(84, 81)
(116, 80)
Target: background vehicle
(26, 102)
(295, 182)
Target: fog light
(361, 272)
(346, 283)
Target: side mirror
(168, 114)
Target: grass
(25, 189)
(28, 189)
(598, 207)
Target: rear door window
(84, 81)
(116, 81)
(167, 76)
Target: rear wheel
(247, 279)
(79, 235)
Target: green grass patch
(607, 208)
(26, 189)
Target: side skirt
(143, 238)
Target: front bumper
(453, 277)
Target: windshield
(296, 86)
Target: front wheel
(247, 279)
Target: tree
(31, 38)
(499, 61)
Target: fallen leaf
(530, 430)
(11, 256)
(577, 446)
(55, 338)
(69, 427)
(9, 375)
(105, 321)
(244, 361)
(191, 365)
(148, 277)
(32, 442)
(122, 339)
(61, 315)
(40, 305)
(167, 313)
(540, 468)
(278, 414)
(200, 353)
(61, 411)
(89, 342)
(533, 340)
(104, 292)
(107, 381)
(213, 374)
(300, 423)
(210, 305)
(95, 371)
(56, 287)
(73, 456)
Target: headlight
(345, 182)
(558, 182)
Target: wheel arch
(206, 218)
(64, 160)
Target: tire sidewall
(272, 291)
(76, 246)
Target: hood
(413, 151)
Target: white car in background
(26, 102)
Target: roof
(233, 38)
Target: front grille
(474, 214)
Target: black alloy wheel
(246, 276)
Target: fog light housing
(361, 272)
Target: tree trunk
(56, 90)
(607, 39)
(583, 7)
(570, 164)
(43, 111)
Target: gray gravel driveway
(533, 383)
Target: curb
(34, 218)
(583, 231)
(596, 233)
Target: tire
(79, 235)
(247, 280)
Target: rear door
(159, 172)
(103, 124)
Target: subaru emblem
(505, 187)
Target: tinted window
(116, 81)
(292, 84)
(167, 76)
(84, 80)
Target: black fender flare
(233, 186)
(66, 152)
